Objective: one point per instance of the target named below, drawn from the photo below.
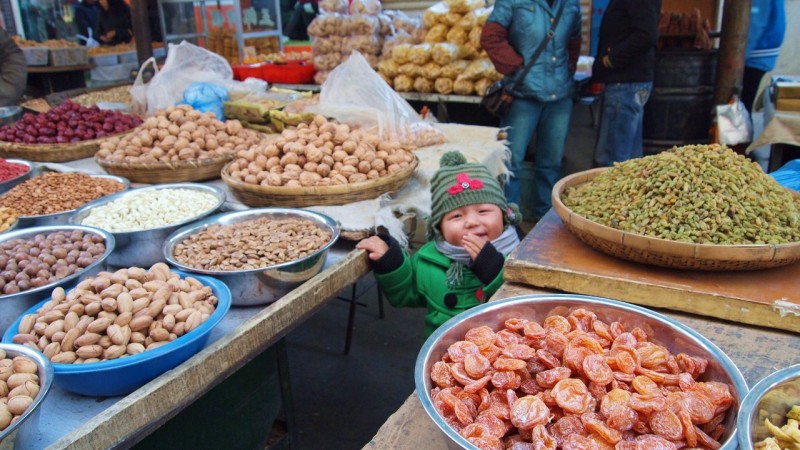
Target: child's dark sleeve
(488, 264)
(392, 259)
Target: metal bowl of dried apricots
(576, 371)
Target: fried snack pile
(786, 437)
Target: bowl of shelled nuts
(141, 219)
(27, 377)
(8, 219)
(261, 254)
(699, 207)
(109, 350)
(34, 261)
(52, 197)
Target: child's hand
(473, 245)
(375, 247)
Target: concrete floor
(340, 400)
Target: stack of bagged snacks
(449, 59)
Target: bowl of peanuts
(26, 380)
(52, 197)
(141, 219)
(135, 324)
(34, 261)
(576, 371)
(770, 413)
(261, 253)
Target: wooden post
(733, 41)
(141, 30)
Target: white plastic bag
(90, 41)
(355, 94)
(185, 64)
(139, 89)
(733, 123)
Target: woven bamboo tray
(341, 194)
(168, 172)
(663, 252)
(54, 152)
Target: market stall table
(44, 80)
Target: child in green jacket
(470, 233)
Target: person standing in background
(13, 70)
(114, 22)
(86, 13)
(543, 103)
(764, 40)
(625, 63)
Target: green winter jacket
(420, 281)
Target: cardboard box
(788, 104)
(787, 89)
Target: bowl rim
(218, 193)
(748, 404)
(110, 244)
(126, 184)
(194, 228)
(222, 293)
(27, 173)
(42, 363)
(739, 383)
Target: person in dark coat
(86, 15)
(114, 22)
(13, 70)
(625, 62)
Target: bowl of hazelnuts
(34, 261)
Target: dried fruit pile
(705, 194)
(576, 382)
(68, 122)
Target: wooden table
(756, 351)
(44, 80)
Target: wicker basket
(54, 152)
(167, 172)
(663, 252)
(255, 195)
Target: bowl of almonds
(26, 377)
(261, 254)
(117, 331)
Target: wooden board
(551, 257)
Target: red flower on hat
(463, 182)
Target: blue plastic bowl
(124, 375)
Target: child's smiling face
(484, 220)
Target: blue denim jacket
(527, 22)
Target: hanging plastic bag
(185, 64)
(733, 124)
(139, 89)
(90, 41)
(355, 94)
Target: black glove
(392, 259)
(488, 264)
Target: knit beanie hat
(458, 183)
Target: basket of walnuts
(321, 163)
(176, 144)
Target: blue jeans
(550, 122)
(620, 137)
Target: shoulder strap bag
(498, 97)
